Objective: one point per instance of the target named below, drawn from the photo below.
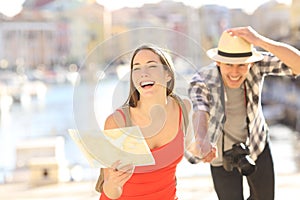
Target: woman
(154, 109)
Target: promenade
(194, 181)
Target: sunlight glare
(11, 8)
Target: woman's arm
(115, 176)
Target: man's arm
(202, 144)
(288, 54)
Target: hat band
(234, 55)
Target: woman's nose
(144, 72)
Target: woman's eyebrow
(150, 61)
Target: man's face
(234, 75)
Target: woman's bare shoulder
(114, 120)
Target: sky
(13, 7)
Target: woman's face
(148, 73)
(234, 75)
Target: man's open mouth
(234, 78)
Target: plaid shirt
(206, 95)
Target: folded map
(103, 148)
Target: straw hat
(234, 50)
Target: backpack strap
(126, 115)
(184, 112)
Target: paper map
(103, 148)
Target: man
(232, 132)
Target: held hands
(115, 177)
(201, 147)
(212, 154)
(203, 150)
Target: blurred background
(45, 49)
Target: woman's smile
(147, 84)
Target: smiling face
(234, 75)
(148, 73)
(148, 57)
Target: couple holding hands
(227, 123)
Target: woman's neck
(146, 104)
(152, 115)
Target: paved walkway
(194, 181)
(189, 188)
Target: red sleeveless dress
(156, 182)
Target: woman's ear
(168, 77)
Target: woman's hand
(114, 179)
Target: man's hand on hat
(247, 33)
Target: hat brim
(213, 54)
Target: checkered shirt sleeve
(204, 92)
(258, 128)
